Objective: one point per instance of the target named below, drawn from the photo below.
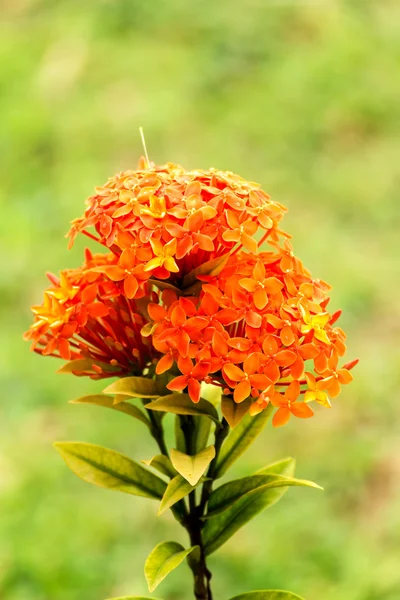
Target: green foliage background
(302, 96)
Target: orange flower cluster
(184, 290)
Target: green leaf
(85, 364)
(221, 527)
(240, 439)
(136, 387)
(181, 404)
(107, 402)
(212, 267)
(163, 285)
(201, 433)
(234, 412)
(162, 560)
(285, 466)
(192, 467)
(268, 595)
(109, 469)
(227, 494)
(177, 489)
(212, 393)
(132, 598)
(162, 464)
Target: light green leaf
(162, 464)
(162, 560)
(221, 527)
(85, 364)
(109, 469)
(233, 411)
(132, 598)
(285, 466)
(240, 439)
(181, 404)
(268, 595)
(192, 467)
(211, 392)
(107, 402)
(227, 494)
(136, 387)
(177, 489)
(212, 267)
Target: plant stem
(194, 522)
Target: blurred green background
(302, 96)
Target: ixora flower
(200, 308)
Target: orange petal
(301, 410)
(281, 417)
(130, 286)
(287, 335)
(233, 372)
(260, 299)
(164, 364)
(242, 391)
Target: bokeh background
(302, 96)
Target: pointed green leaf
(109, 469)
(192, 467)
(227, 494)
(234, 412)
(107, 402)
(136, 387)
(181, 404)
(177, 489)
(162, 560)
(221, 527)
(162, 464)
(285, 466)
(163, 285)
(212, 267)
(240, 439)
(268, 595)
(85, 364)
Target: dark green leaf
(227, 494)
(221, 527)
(240, 439)
(181, 404)
(109, 469)
(107, 402)
(201, 433)
(162, 560)
(234, 412)
(212, 267)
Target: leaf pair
(235, 503)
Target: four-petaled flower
(287, 405)
(247, 378)
(191, 378)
